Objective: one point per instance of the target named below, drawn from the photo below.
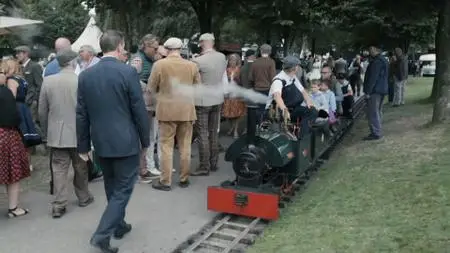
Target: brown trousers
(168, 130)
(60, 160)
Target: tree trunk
(286, 36)
(313, 46)
(204, 11)
(435, 89)
(442, 64)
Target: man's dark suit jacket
(111, 110)
(33, 75)
(376, 77)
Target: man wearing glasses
(148, 54)
(148, 49)
(327, 74)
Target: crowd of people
(123, 113)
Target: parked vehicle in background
(427, 63)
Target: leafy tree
(383, 22)
(61, 18)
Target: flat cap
(290, 61)
(22, 49)
(206, 36)
(173, 43)
(65, 56)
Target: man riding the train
(291, 97)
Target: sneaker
(154, 171)
(157, 171)
(148, 177)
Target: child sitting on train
(331, 99)
(319, 100)
(347, 92)
(321, 104)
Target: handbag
(27, 128)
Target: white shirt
(26, 63)
(80, 67)
(277, 85)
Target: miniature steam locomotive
(268, 161)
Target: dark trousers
(375, 113)
(391, 91)
(347, 105)
(119, 176)
(262, 108)
(206, 129)
(306, 116)
(355, 82)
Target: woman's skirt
(233, 108)
(14, 164)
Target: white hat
(206, 36)
(173, 43)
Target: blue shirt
(52, 68)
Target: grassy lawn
(390, 195)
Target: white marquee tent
(90, 36)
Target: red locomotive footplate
(245, 203)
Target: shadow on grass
(422, 101)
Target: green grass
(385, 196)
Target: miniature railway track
(234, 234)
(228, 234)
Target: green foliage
(391, 23)
(61, 18)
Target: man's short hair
(148, 39)
(110, 40)
(87, 48)
(265, 49)
(326, 66)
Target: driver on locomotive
(291, 97)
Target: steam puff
(213, 92)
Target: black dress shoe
(58, 212)
(157, 185)
(121, 232)
(200, 173)
(105, 247)
(184, 184)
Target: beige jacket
(57, 109)
(171, 106)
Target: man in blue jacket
(375, 88)
(53, 66)
(111, 112)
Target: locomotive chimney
(251, 122)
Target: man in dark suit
(111, 111)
